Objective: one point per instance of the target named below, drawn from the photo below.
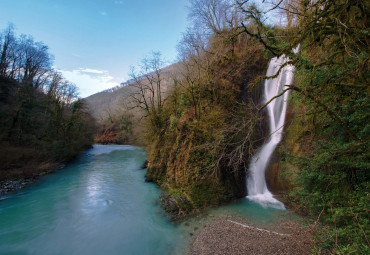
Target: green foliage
(334, 176)
(335, 182)
(332, 85)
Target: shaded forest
(43, 122)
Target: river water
(100, 204)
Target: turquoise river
(100, 204)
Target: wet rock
(144, 165)
(169, 204)
(12, 185)
(178, 207)
(148, 177)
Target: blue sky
(96, 41)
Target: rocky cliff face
(281, 172)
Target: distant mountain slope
(111, 101)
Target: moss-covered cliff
(199, 147)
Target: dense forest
(201, 135)
(43, 122)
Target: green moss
(190, 153)
(204, 194)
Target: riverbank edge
(36, 171)
(18, 182)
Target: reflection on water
(100, 204)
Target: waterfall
(276, 109)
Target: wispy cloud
(103, 13)
(118, 2)
(89, 80)
(94, 71)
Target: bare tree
(192, 43)
(24, 59)
(213, 15)
(289, 10)
(7, 42)
(148, 94)
(61, 90)
(36, 60)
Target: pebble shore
(234, 236)
(22, 180)
(12, 185)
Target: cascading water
(256, 182)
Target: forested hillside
(200, 137)
(119, 120)
(42, 121)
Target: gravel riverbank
(26, 176)
(12, 185)
(234, 236)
